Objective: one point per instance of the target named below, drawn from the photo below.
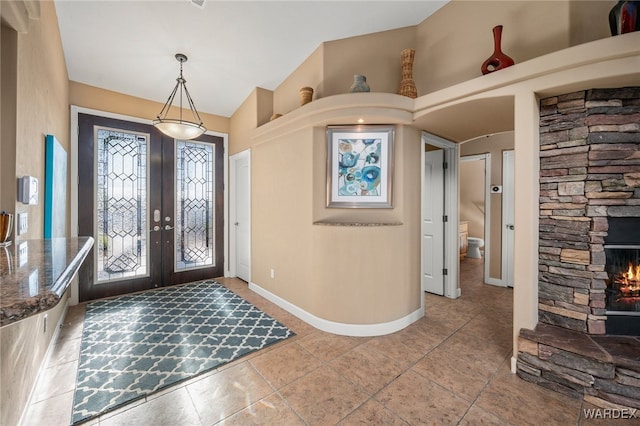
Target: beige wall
(92, 97)
(35, 102)
(309, 74)
(337, 273)
(254, 111)
(589, 23)
(377, 56)
(450, 48)
(453, 43)
(42, 107)
(9, 75)
(281, 201)
(355, 265)
(494, 145)
(450, 45)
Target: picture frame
(360, 166)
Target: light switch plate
(23, 253)
(23, 223)
(28, 190)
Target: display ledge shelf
(346, 108)
(389, 108)
(356, 224)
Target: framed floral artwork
(359, 166)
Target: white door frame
(233, 160)
(508, 215)
(487, 211)
(73, 171)
(451, 227)
(432, 223)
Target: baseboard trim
(495, 281)
(359, 330)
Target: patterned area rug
(137, 344)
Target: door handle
(168, 228)
(510, 227)
(155, 228)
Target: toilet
(474, 245)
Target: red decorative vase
(498, 60)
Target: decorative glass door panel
(195, 183)
(121, 205)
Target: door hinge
(445, 271)
(445, 218)
(445, 165)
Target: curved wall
(315, 280)
(335, 276)
(456, 102)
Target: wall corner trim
(357, 330)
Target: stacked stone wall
(589, 171)
(604, 370)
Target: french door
(154, 206)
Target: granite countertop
(34, 274)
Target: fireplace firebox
(622, 251)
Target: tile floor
(450, 367)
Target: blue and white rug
(137, 344)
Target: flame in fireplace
(628, 283)
(633, 273)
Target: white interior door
(508, 227)
(241, 214)
(433, 223)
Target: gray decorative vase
(359, 84)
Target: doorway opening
(475, 208)
(499, 202)
(439, 228)
(154, 206)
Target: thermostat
(28, 190)
(496, 189)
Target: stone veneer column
(589, 170)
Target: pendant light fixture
(178, 128)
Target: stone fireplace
(587, 340)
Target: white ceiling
(233, 46)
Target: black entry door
(154, 206)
